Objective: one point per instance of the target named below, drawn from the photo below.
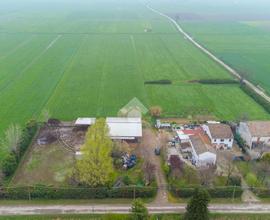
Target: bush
(159, 82)
(138, 210)
(46, 192)
(252, 180)
(215, 192)
(261, 192)
(126, 180)
(241, 143)
(234, 181)
(9, 164)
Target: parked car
(157, 151)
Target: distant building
(255, 133)
(201, 155)
(162, 125)
(221, 135)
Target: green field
(89, 58)
(238, 32)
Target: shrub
(252, 180)
(9, 164)
(47, 192)
(261, 192)
(240, 141)
(234, 181)
(138, 210)
(126, 180)
(159, 82)
(215, 192)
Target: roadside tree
(139, 211)
(197, 208)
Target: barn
(125, 128)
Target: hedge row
(215, 192)
(159, 82)
(261, 192)
(218, 81)
(43, 192)
(260, 100)
(10, 163)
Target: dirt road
(147, 147)
(212, 56)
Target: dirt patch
(51, 156)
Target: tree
(139, 211)
(197, 208)
(95, 168)
(207, 175)
(177, 166)
(12, 139)
(263, 170)
(149, 172)
(155, 111)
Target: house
(255, 133)
(125, 128)
(220, 135)
(201, 155)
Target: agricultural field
(238, 32)
(92, 57)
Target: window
(215, 140)
(222, 140)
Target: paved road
(228, 68)
(102, 209)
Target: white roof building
(124, 128)
(85, 121)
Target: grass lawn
(47, 165)
(92, 57)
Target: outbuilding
(125, 128)
(255, 133)
(201, 155)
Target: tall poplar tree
(95, 168)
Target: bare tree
(12, 139)
(177, 166)
(149, 172)
(263, 170)
(155, 111)
(207, 175)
